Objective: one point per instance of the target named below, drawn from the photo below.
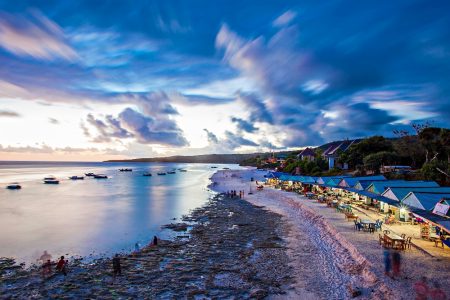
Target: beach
(270, 244)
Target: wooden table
(367, 222)
(396, 239)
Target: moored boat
(171, 172)
(125, 170)
(147, 174)
(51, 180)
(182, 170)
(76, 177)
(89, 174)
(161, 173)
(14, 186)
(100, 176)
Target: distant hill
(206, 158)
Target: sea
(93, 218)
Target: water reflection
(105, 216)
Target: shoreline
(234, 249)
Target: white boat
(89, 174)
(76, 177)
(100, 176)
(14, 186)
(171, 172)
(51, 180)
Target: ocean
(94, 217)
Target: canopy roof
(422, 200)
(379, 187)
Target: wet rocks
(234, 250)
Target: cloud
(257, 108)
(285, 18)
(53, 121)
(234, 141)
(107, 130)
(244, 125)
(36, 37)
(9, 114)
(148, 130)
(212, 138)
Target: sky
(95, 80)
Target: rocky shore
(228, 248)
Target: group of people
(61, 265)
(233, 194)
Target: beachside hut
(378, 187)
(424, 200)
(398, 193)
(351, 181)
(363, 184)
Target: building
(352, 181)
(334, 150)
(378, 187)
(398, 193)
(424, 200)
(307, 154)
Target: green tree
(374, 161)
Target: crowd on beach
(62, 266)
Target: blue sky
(88, 80)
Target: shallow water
(99, 216)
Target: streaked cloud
(8, 114)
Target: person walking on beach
(421, 288)
(387, 262)
(155, 241)
(136, 247)
(61, 266)
(46, 268)
(396, 262)
(117, 269)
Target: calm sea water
(93, 216)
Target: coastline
(234, 249)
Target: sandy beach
(324, 246)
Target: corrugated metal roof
(380, 186)
(351, 181)
(427, 200)
(401, 192)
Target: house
(398, 193)
(424, 200)
(395, 169)
(307, 154)
(378, 187)
(363, 184)
(334, 150)
(323, 180)
(352, 181)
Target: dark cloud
(212, 138)
(244, 125)
(152, 131)
(53, 121)
(233, 141)
(257, 108)
(107, 129)
(8, 114)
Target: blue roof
(365, 183)
(443, 222)
(427, 200)
(275, 174)
(351, 181)
(401, 192)
(376, 197)
(381, 186)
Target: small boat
(14, 186)
(171, 172)
(147, 174)
(51, 180)
(182, 170)
(213, 167)
(76, 177)
(161, 173)
(89, 174)
(226, 168)
(100, 176)
(125, 170)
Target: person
(396, 261)
(61, 266)
(437, 293)
(421, 289)
(46, 268)
(155, 241)
(117, 270)
(136, 247)
(45, 256)
(387, 262)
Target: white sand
(327, 255)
